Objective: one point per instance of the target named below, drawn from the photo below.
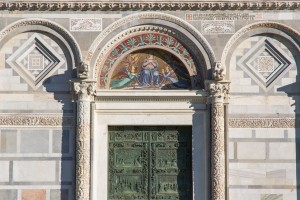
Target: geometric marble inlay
(35, 60)
(264, 62)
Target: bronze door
(150, 162)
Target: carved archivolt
(185, 5)
(155, 16)
(137, 38)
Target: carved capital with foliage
(84, 90)
(218, 91)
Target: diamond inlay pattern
(265, 61)
(265, 64)
(35, 60)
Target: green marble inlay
(150, 163)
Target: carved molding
(198, 99)
(132, 39)
(186, 5)
(35, 120)
(148, 15)
(263, 123)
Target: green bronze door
(147, 163)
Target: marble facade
(57, 62)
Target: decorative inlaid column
(218, 94)
(84, 91)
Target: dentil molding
(136, 5)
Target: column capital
(218, 91)
(83, 90)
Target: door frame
(112, 108)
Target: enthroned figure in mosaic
(150, 69)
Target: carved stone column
(84, 91)
(218, 94)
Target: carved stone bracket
(218, 96)
(219, 72)
(84, 92)
(83, 70)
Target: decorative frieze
(86, 24)
(220, 16)
(35, 120)
(217, 27)
(263, 123)
(185, 5)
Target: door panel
(150, 163)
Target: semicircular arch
(146, 37)
(260, 28)
(46, 26)
(186, 33)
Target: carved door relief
(150, 162)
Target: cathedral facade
(115, 100)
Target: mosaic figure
(149, 74)
(150, 69)
(126, 76)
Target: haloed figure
(149, 73)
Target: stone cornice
(183, 5)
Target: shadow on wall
(64, 136)
(293, 91)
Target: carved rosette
(218, 94)
(84, 92)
